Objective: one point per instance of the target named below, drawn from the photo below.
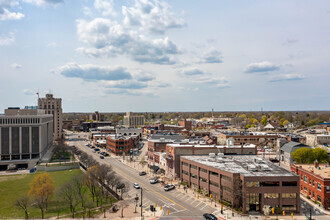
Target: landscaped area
(14, 187)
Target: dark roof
(292, 146)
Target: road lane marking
(198, 204)
(204, 207)
(123, 175)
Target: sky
(157, 56)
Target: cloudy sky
(154, 55)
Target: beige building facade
(53, 106)
(133, 121)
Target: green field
(16, 186)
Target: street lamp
(141, 204)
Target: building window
(289, 183)
(319, 198)
(309, 192)
(252, 184)
(313, 194)
(202, 170)
(270, 183)
(202, 179)
(214, 183)
(185, 172)
(193, 167)
(214, 174)
(328, 189)
(289, 207)
(271, 195)
(310, 181)
(319, 186)
(184, 164)
(305, 189)
(305, 179)
(193, 176)
(313, 182)
(289, 195)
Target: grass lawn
(16, 186)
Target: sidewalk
(315, 206)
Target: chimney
(316, 164)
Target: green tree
(264, 120)
(320, 155)
(303, 155)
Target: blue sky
(147, 55)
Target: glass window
(184, 164)
(202, 170)
(288, 207)
(289, 195)
(319, 186)
(310, 181)
(328, 189)
(289, 183)
(202, 179)
(319, 198)
(193, 176)
(193, 167)
(214, 174)
(305, 179)
(271, 195)
(270, 183)
(252, 184)
(214, 183)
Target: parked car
(142, 173)
(208, 216)
(169, 187)
(154, 180)
(102, 157)
(136, 186)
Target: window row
(19, 120)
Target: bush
(308, 197)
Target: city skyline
(156, 56)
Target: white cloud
(7, 40)
(125, 84)
(28, 92)
(16, 66)
(105, 6)
(6, 14)
(144, 76)
(152, 15)
(93, 72)
(214, 82)
(107, 38)
(45, 2)
(264, 66)
(286, 77)
(212, 56)
(192, 71)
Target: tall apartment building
(53, 106)
(25, 135)
(96, 116)
(133, 121)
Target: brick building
(244, 182)
(256, 138)
(118, 145)
(314, 182)
(186, 124)
(174, 151)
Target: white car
(136, 186)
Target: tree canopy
(309, 155)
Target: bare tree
(123, 204)
(70, 196)
(39, 202)
(23, 203)
(78, 186)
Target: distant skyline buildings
(154, 56)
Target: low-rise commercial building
(175, 150)
(119, 145)
(244, 182)
(257, 138)
(314, 182)
(25, 135)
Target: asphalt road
(179, 204)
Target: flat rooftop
(248, 133)
(240, 163)
(210, 146)
(324, 170)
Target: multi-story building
(53, 106)
(133, 121)
(186, 124)
(175, 150)
(314, 182)
(25, 135)
(256, 138)
(129, 131)
(119, 145)
(96, 116)
(285, 151)
(245, 182)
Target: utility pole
(310, 214)
(141, 204)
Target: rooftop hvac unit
(212, 159)
(219, 160)
(221, 155)
(252, 167)
(212, 155)
(259, 160)
(264, 167)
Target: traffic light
(273, 210)
(210, 196)
(283, 212)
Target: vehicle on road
(142, 173)
(169, 187)
(102, 157)
(154, 180)
(136, 186)
(208, 216)
(97, 149)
